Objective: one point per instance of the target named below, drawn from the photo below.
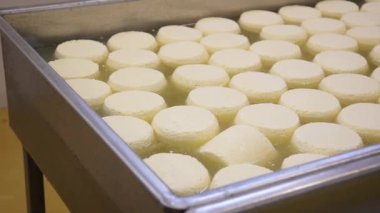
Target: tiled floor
(12, 186)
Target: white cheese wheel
(137, 78)
(376, 74)
(140, 104)
(325, 139)
(371, 7)
(292, 33)
(185, 127)
(336, 9)
(188, 77)
(374, 56)
(338, 62)
(255, 20)
(83, 48)
(238, 144)
(274, 121)
(271, 51)
(132, 58)
(235, 173)
(235, 61)
(132, 40)
(361, 19)
(176, 33)
(298, 159)
(330, 41)
(298, 73)
(296, 14)
(324, 25)
(183, 174)
(137, 133)
(311, 105)
(364, 118)
(259, 87)
(72, 68)
(367, 37)
(223, 102)
(220, 41)
(213, 25)
(182, 53)
(94, 92)
(351, 88)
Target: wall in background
(9, 4)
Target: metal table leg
(34, 184)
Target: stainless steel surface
(88, 164)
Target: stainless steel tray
(89, 165)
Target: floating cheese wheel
(336, 9)
(213, 25)
(132, 58)
(255, 20)
(176, 33)
(376, 74)
(361, 19)
(364, 118)
(274, 121)
(367, 37)
(292, 33)
(137, 78)
(325, 139)
(94, 92)
(296, 14)
(140, 104)
(185, 127)
(298, 159)
(132, 40)
(259, 87)
(220, 41)
(351, 88)
(374, 56)
(329, 41)
(298, 73)
(323, 25)
(235, 173)
(72, 68)
(83, 48)
(311, 105)
(183, 174)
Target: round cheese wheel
(72, 68)
(296, 14)
(220, 41)
(255, 20)
(298, 159)
(182, 53)
(94, 92)
(137, 78)
(364, 118)
(374, 56)
(83, 48)
(137, 133)
(235, 173)
(140, 104)
(298, 73)
(271, 51)
(361, 19)
(188, 77)
(132, 58)
(325, 139)
(132, 40)
(235, 61)
(329, 41)
(185, 127)
(311, 105)
(176, 33)
(367, 37)
(323, 25)
(211, 25)
(183, 174)
(371, 7)
(336, 9)
(259, 87)
(223, 102)
(338, 62)
(351, 88)
(274, 121)
(292, 33)
(376, 74)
